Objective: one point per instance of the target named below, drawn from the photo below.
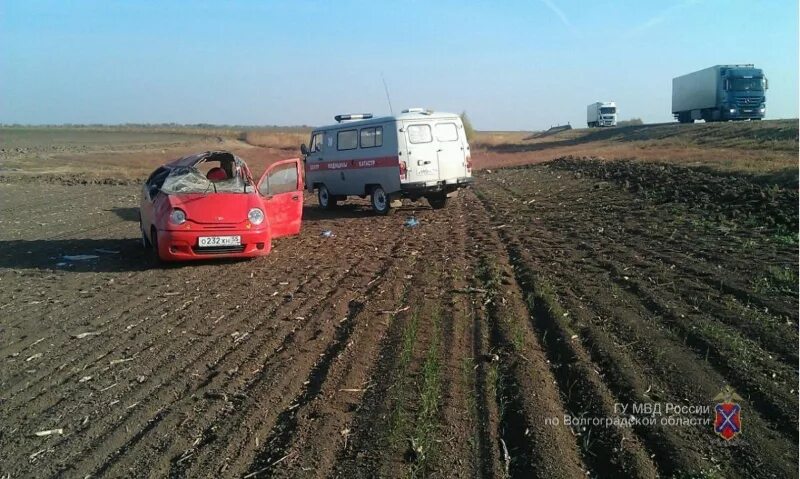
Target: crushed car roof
(192, 160)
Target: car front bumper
(182, 245)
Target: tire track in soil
(284, 433)
(689, 253)
(146, 393)
(391, 412)
(529, 348)
(251, 349)
(329, 416)
(771, 400)
(263, 429)
(110, 340)
(601, 346)
(335, 328)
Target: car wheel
(154, 243)
(326, 200)
(145, 241)
(380, 201)
(438, 202)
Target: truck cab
(601, 113)
(742, 95)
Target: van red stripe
(379, 162)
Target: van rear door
(422, 157)
(450, 151)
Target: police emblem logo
(727, 414)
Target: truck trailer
(601, 113)
(720, 93)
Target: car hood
(217, 208)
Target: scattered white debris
(86, 334)
(80, 257)
(396, 311)
(50, 432)
(35, 356)
(118, 361)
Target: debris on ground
(86, 334)
(411, 222)
(80, 257)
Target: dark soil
(452, 349)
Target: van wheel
(380, 201)
(325, 199)
(437, 202)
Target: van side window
(446, 132)
(419, 134)
(317, 141)
(347, 140)
(371, 137)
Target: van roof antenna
(388, 99)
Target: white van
(416, 154)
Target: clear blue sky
(510, 65)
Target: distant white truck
(601, 113)
(416, 154)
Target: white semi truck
(601, 113)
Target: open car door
(281, 187)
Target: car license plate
(213, 241)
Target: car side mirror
(304, 149)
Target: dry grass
(484, 139)
(767, 148)
(282, 140)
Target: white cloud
(559, 13)
(660, 17)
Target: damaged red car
(208, 205)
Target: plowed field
(569, 319)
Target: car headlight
(733, 110)
(177, 217)
(256, 216)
